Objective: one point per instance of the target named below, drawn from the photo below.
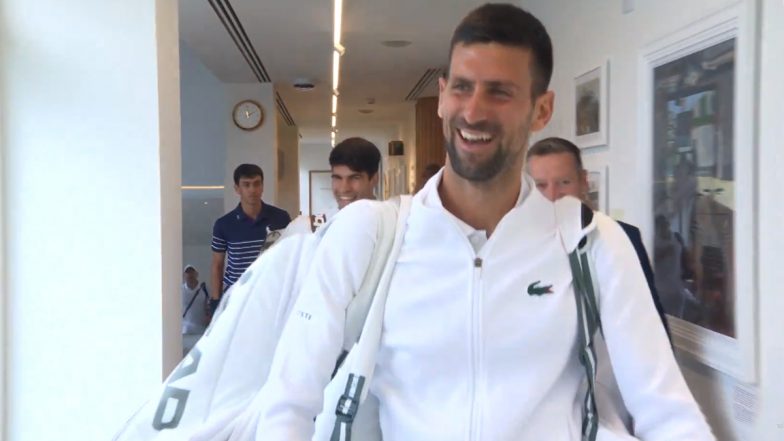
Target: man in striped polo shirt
(238, 236)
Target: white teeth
(478, 136)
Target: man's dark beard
(480, 173)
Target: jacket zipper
(476, 299)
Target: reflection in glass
(693, 187)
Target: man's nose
(342, 187)
(475, 109)
(551, 193)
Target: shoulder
(231, 215)
(359, 219)
(611, 240)
(276, 213)
(225, 219)
(360, 212)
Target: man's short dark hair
(511, 26)
(247, 171)
(358, 154)
(549, 146)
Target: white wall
(203, 103)
(204, 136)
(255, 147)
(3, 235)
(91, 172)
(771, 213)
(311, 157)
(620, 38)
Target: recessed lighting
(396, 43)
(304, 85)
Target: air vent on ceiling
(428, 77)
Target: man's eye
(540, 185)
(460, 87)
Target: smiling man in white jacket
(480, 330)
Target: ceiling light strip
(202, 187)
(337, 51)
(335, 69)
(338, 23)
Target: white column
(254, 147)
(91, 170)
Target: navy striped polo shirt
(241, 237)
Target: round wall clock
(248, 115)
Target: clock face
(248, 115)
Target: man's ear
(236, 189)
(441, 89)
(543, 110)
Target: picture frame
(321, 199)
(598, 189)
(696, 124)
(591, 101)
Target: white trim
(601, 137)
(4, 431)
(734, 356)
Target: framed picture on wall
(590, 107)
(322, 201)
(697, 104)
(598, 189)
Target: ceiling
(293, 41)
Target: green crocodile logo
(539, 290)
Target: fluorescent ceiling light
(334, 121)
(202, 187)
(334, 104)
(335, 69)
(338, 22)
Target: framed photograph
(322, 201)
(697, 106)
(597, 189)
(590, 107)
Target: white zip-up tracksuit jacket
(479, 340)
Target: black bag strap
(196, 294)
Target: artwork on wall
(597, 196)
(702, 188)
(322, 201)
(590, 107)
(693, 186)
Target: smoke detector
(304, 85)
